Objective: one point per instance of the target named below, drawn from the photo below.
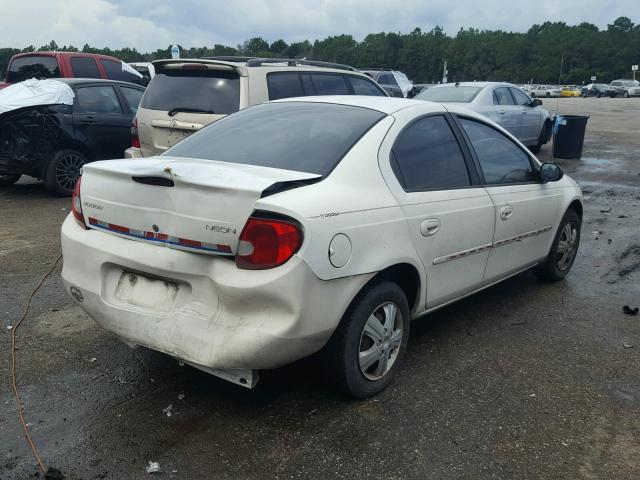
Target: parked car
(314, 224)
(187, 94)
(546, 91)
(52, 142)
(599, 90)
(145, 69)
(40, 65)
(503, 103)
(571, 91)
(631, 88)
(395, 83)
(419, 87)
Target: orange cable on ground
(34, 450)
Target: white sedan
(315, 224)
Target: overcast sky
(151, 24)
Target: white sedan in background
(315, 224)
(503, 103)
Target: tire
(373, 308)
(626, 94)
(8, 180)
(559, 262)
(545, 134)
(63, 171)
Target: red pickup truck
(42, 65)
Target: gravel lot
(524, 380)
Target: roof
(387, 105)
(76, 81)
(64, 54)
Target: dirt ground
(525, 380)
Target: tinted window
(521, 97)
(501, 160)
(387, 79)
(284, 85)
(215, 91)
(309, 89)
(306, 137)
(427, 155)
(24, 68)
(115, 72)
(329, 84)
(100, 100)
(449, 94)
(133, 97)
(361, 86)
(84, 67)
(501, 96)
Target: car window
(301, 136)
(35, 66)
(387, 79)
(427, 156)
(460, 94)
(101, 100)
(84, 67)
(362, 86)
(284, 85)
(309, 89)
(115, 72)
(211, 91)
(501, 160)
(501, 96)
(133, 96)
(329, 84)
(521, 97)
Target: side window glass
(501, 160)
(501, 96)
(329, 84)
(309, 89)
(133, 97)
(115, 72)
(361, 86)
(521, 97)
(97, 100)
(284, 85)
(427, 156)
(84, 67)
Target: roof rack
(229, 58)
(293, 62)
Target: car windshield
(461, 94)
(305, 137)
(211, 91)
(33, 66)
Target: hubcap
(567, 246)
(380, 341)
(68, 171)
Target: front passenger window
(501, 96)
(501, 160)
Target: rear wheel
(626, 94)
(545, 135)
(369, 344)
(563, 250)
(63, 172)
(8, 180)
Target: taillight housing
(135, 139)
(76, 205)
(268, 242)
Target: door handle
(88, 121)
(506, 212)
(429, 227)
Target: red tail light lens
(135, 140)
(76, 205)
(267, 243)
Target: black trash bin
(569, 137)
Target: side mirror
(550, 172)
(536, 102)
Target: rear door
(100, 121)
(508, 112)
(530, 119)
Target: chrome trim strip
(462, 253)
(521, 236)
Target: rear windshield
(36, 66)
(449, 94)
(301, 136)
(210, 91)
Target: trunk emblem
(155, 227)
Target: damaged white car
(315, 224)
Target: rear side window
(362, 86)
(115, 72)
(284, 85)
(36, 66)
(207, 91)
(329, 84)
(427, 156)
(301, 136)
(501, 160)
(501, 96)
(84, 67)
(133, 97)
(99, 100)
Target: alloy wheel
(567, 246)
(68, 170)
(380, 341)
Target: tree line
(551, 52)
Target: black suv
(52, 142)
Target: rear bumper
(222, 317)
(133, 152)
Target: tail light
(267, 243)
(135, 140)
(76, 205)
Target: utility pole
(444, 72)
(560, 75)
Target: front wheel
(8, 180)
(364, 352)
(626, 94)
(563, 250)
(63, 172)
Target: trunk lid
(189, 204)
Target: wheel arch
(407, 277)
(576, 205)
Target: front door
(508, 111)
